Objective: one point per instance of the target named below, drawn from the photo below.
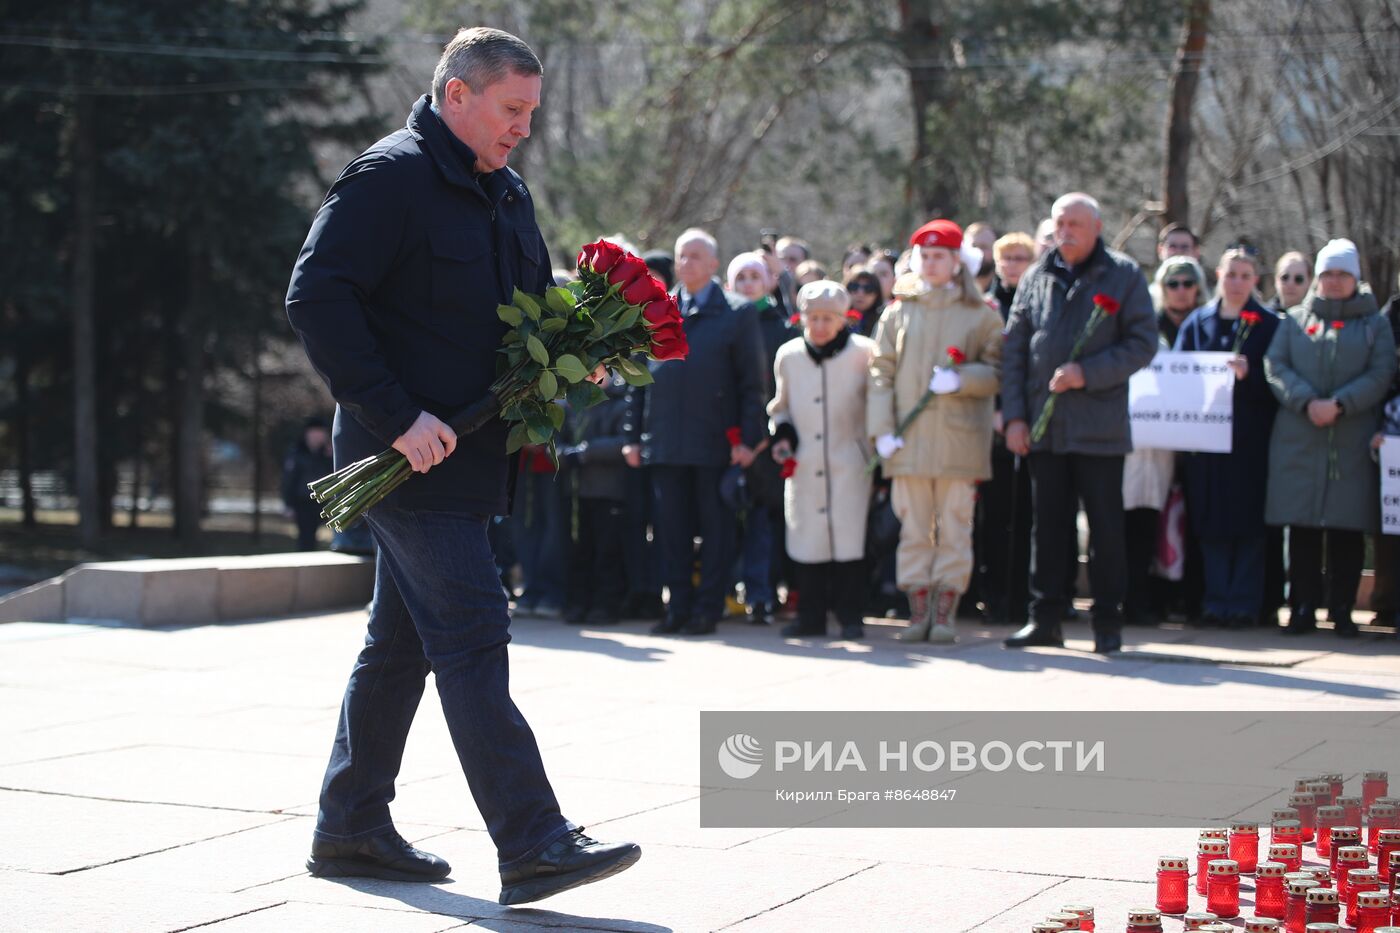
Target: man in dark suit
(684, 423)
(394, 297)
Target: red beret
(939, 232)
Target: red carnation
(1250, 317)
(628, 269)
(789, 467)
(1106, 304)
(853, 315)
(1313, 328)
(795, 320)
(643, 290)
(734, 436)
(1338, 325)
(956, 356)
(605, 255)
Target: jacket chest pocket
(531, 259)
(462, 272)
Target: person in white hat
(818, 416)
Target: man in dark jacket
(596, 469)
(1081, 453)
(684, 422)
(394, 297)
(308, 460)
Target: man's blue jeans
(438, 605)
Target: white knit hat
(1340, 255)
(746, 261)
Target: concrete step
(196, 590)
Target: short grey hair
(1073, 199)
(696, 235)
(479, 57)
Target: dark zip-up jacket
(394, 297)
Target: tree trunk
(189, 435)
(256, 441)
(85, 434)
(1186, 75)
(931, 190)
(23, 452)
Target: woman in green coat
(1329, 364)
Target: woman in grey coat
(1329, 364)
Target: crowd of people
(875, 443)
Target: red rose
(643, 290)
(734, 436)
(662, 311)
(628, 269)
(956, 356)
(1250, 317)
(585, 257)
(1338, 325)
(669, 345)
(789, 467)
(1106, 304)
(605, 255)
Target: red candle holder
(1374, 785)
(1296, 904)
(1194, 921)
(1084, 913)
(1359, 881)
(1223, 888)
(1282, 813)
(1351, 807)
(1287, 832)
(1323, 906)
(1244, 844)
(1047, 926)
(1342, 837)
(1268, 890)
(1348, 858)
(1382, 815)
(1263, 925)
(1387, 844)
(1068, 921)
(1306, 805)
(1338, 782)
(1206, 850)
(1288, 853)
(1372, 910)
(1321, 791)
(1172, 877)
(1327, 818)
(1144, 920)
(1214, 832)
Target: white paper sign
(1183, 401)
(1390, 486)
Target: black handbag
(881, 525)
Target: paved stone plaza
(165, 779)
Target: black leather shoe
(853, 631)
(386, 856)
(700, 626)
(1302, 621)
(1036, 635)
(571, 860)
(1342, 624)
(1108, 641)
(669, 625)
(798, 630)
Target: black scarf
(834, 346)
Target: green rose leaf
(510, 314)
(537, 350)
(539, 435)
(560, 300)
(635, 375)
(527, 304)
(553, 325)
(571, 368)
(549, 385)
(518, 437)
(556, 416)
(585, 395)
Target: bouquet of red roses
(1105, 306)
(615, 311)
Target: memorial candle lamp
(1172, 875)
(1296, 906)
(1283, 813)
(1324, 906)
(1321, 791)
(1207, 849)
(1214, 832)
(1084, 913)
(1046, 926)
(1262, 925)
(1268, 890)
(1320, 874)
(1387, 844)
(1394, 880)
(1359, 880)
(1381, 816)
(1288, 853)
(1244, 844)
(1223, 888)
(1352, 810)
(1322, 928)
(1306, 805)
(1194, 921)
(1372, 910)
(1342, 837)
(1348, 858)
(1218, 926)
(1143, 920)
(1327, 818)
(1287, 832)
(1068, 921)
(1338, 782)
(1374, 785)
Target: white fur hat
(823, 295)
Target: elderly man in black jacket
(1081, 454)
(685, 420)
(394, 297)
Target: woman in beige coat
(819, 432)
(937, 361)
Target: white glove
(944, 381)
(887, 444)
